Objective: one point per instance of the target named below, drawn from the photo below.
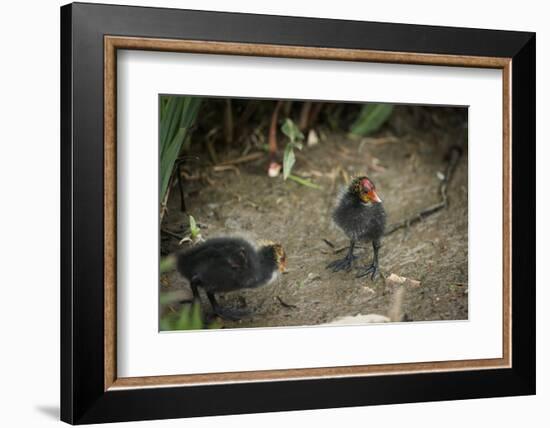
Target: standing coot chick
(360, 214)
(220, 265)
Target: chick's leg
(195, 290)
(226, 314)
(345, 263)
(371, 269)
(194, 283)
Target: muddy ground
(403, 159)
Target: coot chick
(226, 264)
(361, 216)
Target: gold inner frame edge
(113, 43)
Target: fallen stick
(221, 168)
(339, 250)
(243, 159)
(453, 156)
(330, 244)
(172, 234)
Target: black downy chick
(220, 265)
(361, 216)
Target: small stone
(274, 169)
(313, 276)
(359, 319)
(394, 280)
(312, 138)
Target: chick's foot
(342, 264)
(231, 314)
(371, 270)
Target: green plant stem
(304, 182)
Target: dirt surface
(404, 160)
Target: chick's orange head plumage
(278, 253)
(365, 190)
(280, 256)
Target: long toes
(343, 265)
(365, 271)
(231, 314)
(337, 268)
(331, 265)
(227, 317)
(348, 265)
(336, 265)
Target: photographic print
(278, 213)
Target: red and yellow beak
(374, 197)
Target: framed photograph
(266, 213)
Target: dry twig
(243, 159)
(454, 156)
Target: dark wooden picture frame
(90, 37)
